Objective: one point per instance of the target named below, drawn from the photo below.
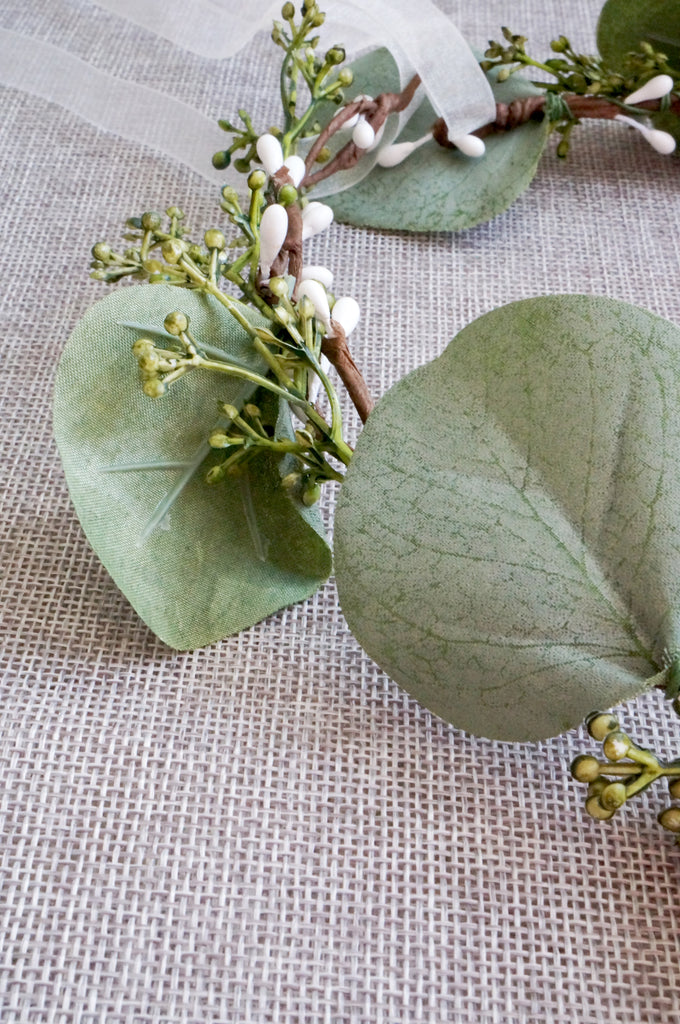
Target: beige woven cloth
(269, 830)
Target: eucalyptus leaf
(438, 189)
(507, 539)
(624, 24)
(197, 562)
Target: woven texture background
(269, 830)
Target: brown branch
(532, 108)
(336, 350)
(376, 113)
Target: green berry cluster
(627, 769)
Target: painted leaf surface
(437, 189)
(624, 24)
(507, 541)
(196, 562)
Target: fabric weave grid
(269, 830)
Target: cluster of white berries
(315, 282)
(654, 89)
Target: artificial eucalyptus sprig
(268, 324)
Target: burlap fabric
(269, 830)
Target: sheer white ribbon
(419, 35)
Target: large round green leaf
(507, 540)
(438, 189)
(197, 562)
(624, 24)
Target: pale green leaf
(507, 538)
(438, 189)
(624, 24)
(197, 562)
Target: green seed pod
(559, 45)
(335, 55)
(670, 819)
(102, 252)
(242, 165)
(214, 239)
(172, 250)
(174, 211)
(311, 494)
(151, 220)
(674, 788)
(154, 387)
(221, 159)
(218, 440)
(149, 361)
(616, 746)
(323, 155)
(257, 179)
(278, 286)
(288, 195)
(613, 796)
(142, 347)
(600, 725)
(176, 322)
(595, 809)
(562, 149)
(585, 768)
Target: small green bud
(585, 768)
(149, 361)
(674, 788)
(221, 159)
(131, 255)
(282, 315)
(345, 77)
(257, 179)
(154, 387)
(230, 410)
(242, 165)
(503, 74)
(323, 155)
(278, 286)
(562, 148)
(219, 440)
(99, 275)
(288, 195)
(559, 45)
(141, 347)
(172, 250)
(616, 746)
(102, 252)
(230, 197)
(670, 819)
(288, 11)
(595, 809)
(304, 438)
(613, 796)
(252, 411)
(214, 239)
(306, 308)
(335, 55)
(151, 220)
(318, 20)
(176, 323)
(600, 725)
(175, 212)
(311, 495)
